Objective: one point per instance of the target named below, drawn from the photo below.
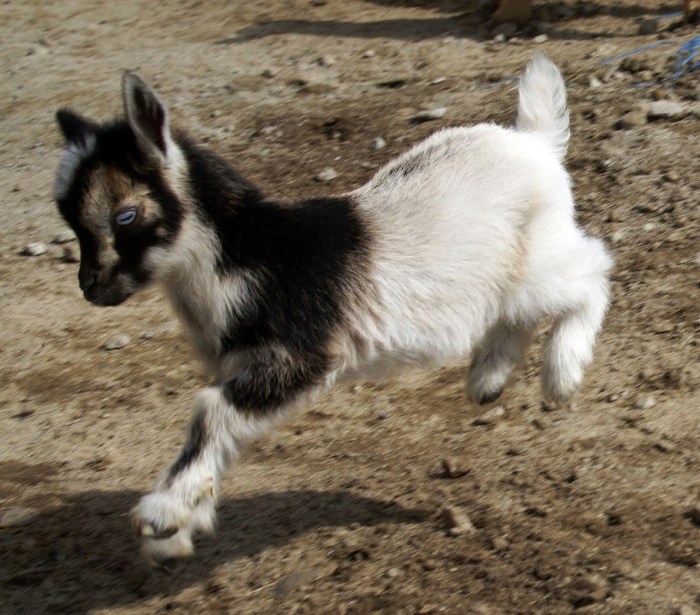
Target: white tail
(542, 106)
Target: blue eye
(126, 217)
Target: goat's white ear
(148, 117)
(74, 127)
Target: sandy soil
(592, 509)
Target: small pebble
(69, 255)
(326, 61)
(368, 54)
(328, 174)
(429, 114)
(378, 143)
(665, 109)
(644, 403)
(148, 335)
(540, 38)
(662, 326)
(499, 38)
(595, 83)
(34, 249)
(490, 416)
(686, 609)
(456, 521)
(631, 119)
(392, 573)
(453, 468)
(665, 446)
(117, 342)
(64, 237)
(269, 72)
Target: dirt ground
(590, 509)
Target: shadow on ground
(45, 559)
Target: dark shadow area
(82, 555)
(470, 20)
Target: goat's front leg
(184, 498)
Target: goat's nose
(87, 278)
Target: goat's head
(121, 187)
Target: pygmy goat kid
(456, 248)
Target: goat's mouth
(107, 296)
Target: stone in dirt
(453, 468)
(666, 110)
(116, 342)
(64, 237)
(644, 402)
(490, 416)
(17, 516)
(34, 249)
(326, 175)
(456, 521)
(429, 115)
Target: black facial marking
(193, 449)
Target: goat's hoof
(148, 531)
(164, 553)
(487, 398)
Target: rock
(648, 26)
(665, 445)
(294, 581)
(64, 237)
(644, 402)
(17, 516)
(453, 468)
(632, 119)
(326, 61)
(392, 573)
(662, 326)
(269, 72)
(594, 82)
(666, 110)
(369, 53)
(499, 38)
(540, 38)
(378, 143)
(672, 176)
(429, 114)
(116, 342)
(507, 29)
(686, 609)
(328, 174)
(456, 521)
(34, 249)
(69, 255)
(490, 416)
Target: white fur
(73, 155)
(473, 243)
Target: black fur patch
(193, 448)
(305, 255)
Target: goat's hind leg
(503, 348)
(569, 348)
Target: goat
(458, 247)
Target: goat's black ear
(147, 116)
(73, 126)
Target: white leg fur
(494, 360)
(183, 504)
